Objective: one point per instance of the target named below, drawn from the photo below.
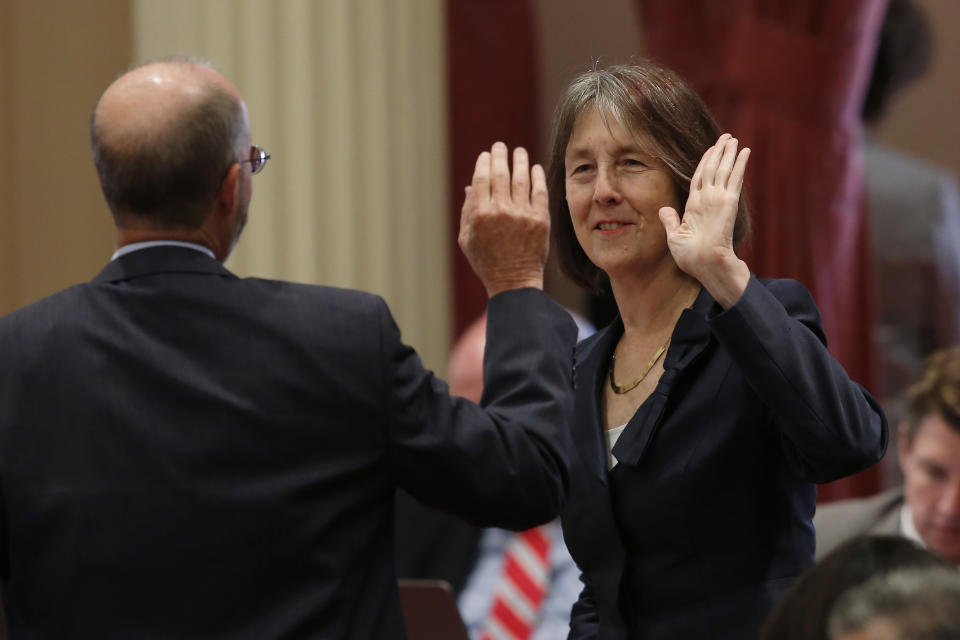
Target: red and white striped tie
(520, 591)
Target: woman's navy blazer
(706, 518)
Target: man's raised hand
(505, 223)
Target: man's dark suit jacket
(706, 518)
(430, 544)
(188, 454)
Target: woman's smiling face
(614, 192)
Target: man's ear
(229, 192)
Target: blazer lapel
(690, 337)
(590, 372)
(692, 333)
(162, 259)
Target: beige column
(9, 286)
(350, 98)
(56, 56)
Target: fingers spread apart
(522, 188)
(721, 165)
(521, 176)
(499, 174)
(505, 223)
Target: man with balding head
(171, 143)
(189, 454)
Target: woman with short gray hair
(707, 410)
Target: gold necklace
(633, 385)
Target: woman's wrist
(726, 280)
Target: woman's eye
(633, 162)
(580, 168)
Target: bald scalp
(465, 369)
(163, 136)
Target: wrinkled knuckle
(484, 209)
(501, 206)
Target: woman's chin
(624, 267)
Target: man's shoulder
(311, 309)
(53, 304)
(839, 521)
(341, 297)
(888, 168)
(277, 301)
(898, 183)
(879, 504)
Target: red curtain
(788, 78)
(493, 95)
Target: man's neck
(201, 237)
(137, 246)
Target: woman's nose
(606, 190)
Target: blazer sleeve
(503, 463)
(584, 621)
(828, 425)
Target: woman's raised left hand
(702, 243)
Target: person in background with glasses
(189, 454)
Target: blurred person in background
(926, 508)
(803, 612)
(522, 583)
(914, 213)
(907, 604)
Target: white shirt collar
(136, 246)
(907, 528)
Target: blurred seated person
(926, 509)
(915, 221)
(434, 545)
(908, 604)
(803, 612)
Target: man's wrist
(494, 288)
(513, 277)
